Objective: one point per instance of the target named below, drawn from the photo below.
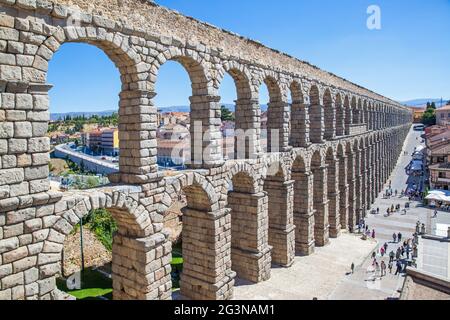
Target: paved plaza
(325, 274)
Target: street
(364, 284)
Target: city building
(105, 141)
(418, 114)
(59, 138)
(110, 142)
(443, 116)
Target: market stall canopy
(416, 165)
(419, 149)
(439, 195)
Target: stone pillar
(250, 253)
(364, 201)
(321, 223)
(300, 125)
(334, 196)
(329, 122)
(206, 138)
(303, 213)
(348, 119)
(141, 268)
(317, 121)
(340, 120)
(248, 129)
(369, 186)
(278, 127)
(344, 192)
(281, 220)
(137, 135)
(207, 273)
(358, 186)
(351, 192)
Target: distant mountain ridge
(418, 103)
(58, 116)
(229, 106)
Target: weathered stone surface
(294, 208)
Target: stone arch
(303, 205)
(333, 194)
(194, 183)
(247, 176)
(280, 211)
(348, 114)
(250, 252)
(194, 65)
(204, 105)
(320, 198)
(343, 185)
(138, 234)
(329, 115)
(316, 115)
(357, 147)
(247, 111)
(355, 110)
(206, 234)
(351, 180)
(276, 167)
(278, 113)
(299, 116)
(133, 164)
(340, 115)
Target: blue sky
(408, 58)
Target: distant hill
(57, 116)
(230, 107)
(419, 103)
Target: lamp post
(82, 251)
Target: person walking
(383, 268)
(373, 233)
(378, 210)
(435, 214)
(385, 246)
(399, 237)
(391, 256)
(397, 254)
(390, 265)
(352, 267)
(394, 237)
(377, 269)
(382, 251)
(399, 268)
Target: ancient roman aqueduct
(339, 142)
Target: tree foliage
(103, 225)
(226, 114)
(429, 116)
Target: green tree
(102, 223)
(226, 114)
(429, 116)
(433, 105)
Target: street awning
(439, 195)
(419, 149)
